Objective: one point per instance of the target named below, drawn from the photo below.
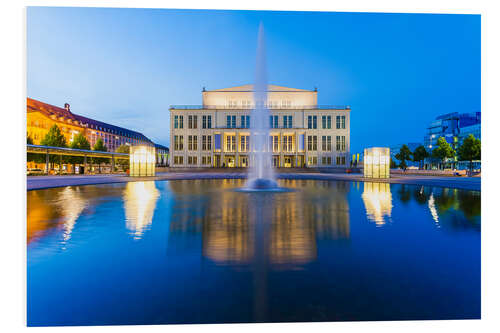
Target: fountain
(261, 175)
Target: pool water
(197, 251)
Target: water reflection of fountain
(140, 202)
(378, 202)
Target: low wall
(449, 173)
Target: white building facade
(302, 133)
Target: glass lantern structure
(142, 161)
(377, 162)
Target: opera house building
(217, 133)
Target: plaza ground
(41, 182)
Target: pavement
(41, 182)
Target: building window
(340, 122)
(288, 143)
(273, 121)
(178, 160)
(312, 142)
(245, 121)
(192, 142)
(245, 143)
(178, 142)
(231, 121)
(192, 122)
(206, 142)
(192, 160)
(326, 122)
(181, 122)
(326, 160)
(287, 121)
(206, 160)
(340, 160)
(312, 160)
(206, 122)
(312, 122)
(326, 143)
(340, 144)
(230, 143)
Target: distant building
(162, 154)
(302, 133)
(42, 116)
(454, 127)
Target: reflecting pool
(197, 251)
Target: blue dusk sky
(127, 66)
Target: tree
(123, 163)
(419, 155)
(99, 146)
(79, 142)
(470, 150)
(404, 155)
(443, 150)
(54, 138)
(31, 157)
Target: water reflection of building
(58, 209)
(377, 198)
(239, 227)
(54, 210)
(140, 202)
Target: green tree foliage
(403, 156)
(443, 150)
(79, 142)
(99, 146)
(123, 163)
(419, 155)
(470, 150)
(55, 138)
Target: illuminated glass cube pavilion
(376, 162)
(142, 161)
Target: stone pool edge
(45, 182)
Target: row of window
(325, 160)
(206, 121)
(207, 160)
(326, 143)
(288, 144)
(287, 122)
(192, 160)
(326, 122)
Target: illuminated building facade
(42, 116)
(217, 133)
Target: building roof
(161, 147)
(32, 105)
(51, 110)
(249, 87)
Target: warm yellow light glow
(376, 163)
(378, 201)
(140, 202)
(142, 161)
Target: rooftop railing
(272, 107)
